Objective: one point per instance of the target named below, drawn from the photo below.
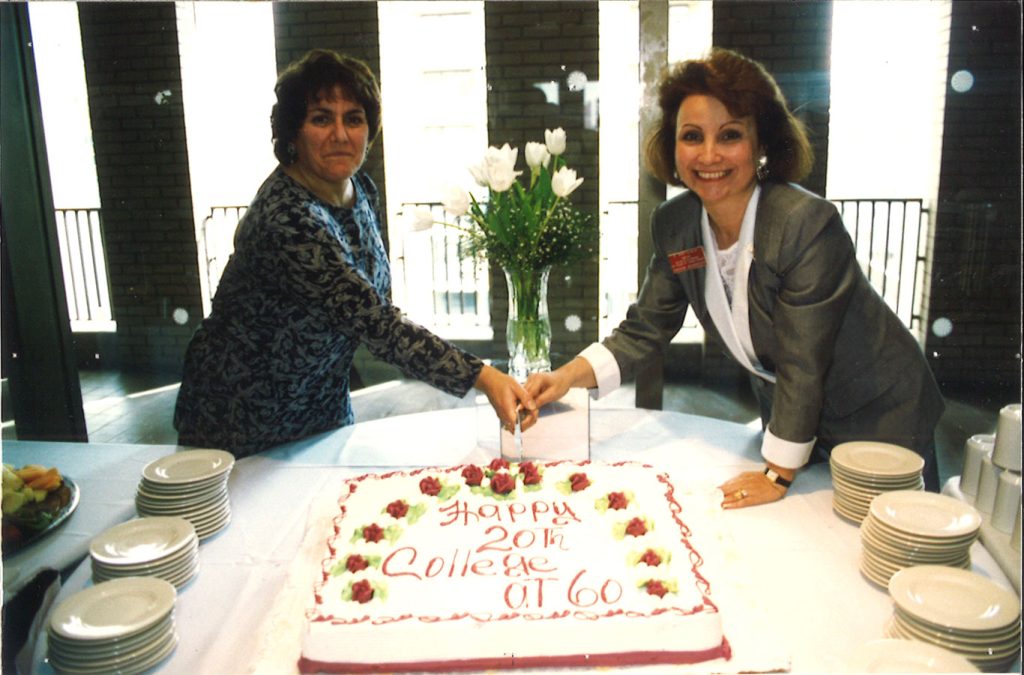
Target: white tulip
(555, 140)
(479, 173)
(564, 182)
(456, 201)
(422, 219)
(502, 177)
(537, 155)
(504, 155)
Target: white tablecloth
(785, 575)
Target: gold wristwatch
(774, 477)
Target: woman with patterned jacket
(309, 281)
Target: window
(885, 139)
(434, 91)
(228, 74)
(689, 37)
(57, 46)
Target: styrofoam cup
(976, 447)
(1015, 535)
(987, 485)
(1006, 453)
(1004, 510)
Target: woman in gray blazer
(770, 268)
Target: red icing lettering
(563, 514)
(386, 567)
(492, 545)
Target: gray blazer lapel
(678, 229)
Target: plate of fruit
(36, 500)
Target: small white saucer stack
(911, 527)
(165, 547)
(862, 470)
(958, 610)
(122, 626)
(192, 484)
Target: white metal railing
(890, 236)
(217, 235)
(84, 265)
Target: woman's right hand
(545, 388)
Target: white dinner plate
(982, 657)
(146, 491)
(883, 483)
(906, 656)
(878, 541)
(954, 598)
(112, 647)
(212, 503)
(140, 664)
(873, 459)
(142, 540)
(926, 514)
(111, 661)
(921, 542)
(188, 466)
(1000, 640)
(113, 609)
(191, 550)
(847, 511)
(870, 488)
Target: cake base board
(519, 662)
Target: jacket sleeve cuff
(606, 369)
(786, 454)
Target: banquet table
(785, 575)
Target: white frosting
(540, 573)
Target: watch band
(774, 477)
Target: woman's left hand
(750, 488)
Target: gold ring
(741, 494)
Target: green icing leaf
(415, 513)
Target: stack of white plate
(959, 610)
(122, 626)
(192, 484)
(861, 470)
(165, 547)
(909, 527)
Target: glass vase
(528, 331)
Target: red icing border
(723, 651)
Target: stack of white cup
(1006, 511)
(998, 473)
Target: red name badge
(690, 259)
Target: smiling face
(331, 143)
(716, 153)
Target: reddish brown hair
(745, 88)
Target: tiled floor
(123, 408)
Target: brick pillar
(529, 43)
(138, 125)
(976, 263)
(347, 27)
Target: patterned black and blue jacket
(306, 284)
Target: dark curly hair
(745, 88)
(307, 79)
